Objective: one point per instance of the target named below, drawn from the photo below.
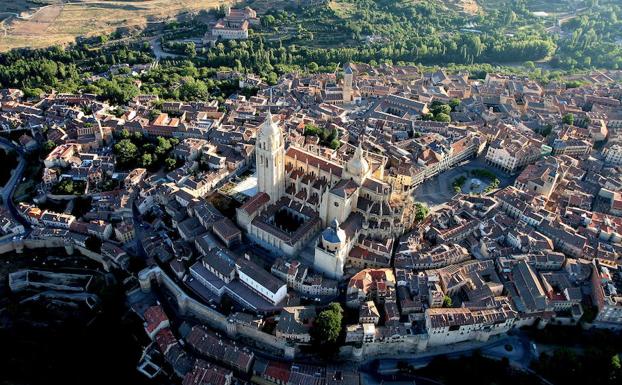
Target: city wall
(191, 307)
(18, 246)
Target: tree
(163, 146)
(442, 117)
(441, 109)
(327, 326)
(48, 146)
(124, 134)
(153, 114)
(421, 211)
(568, 119)
(454, 103)
(268, 20)
(146, 160)
(192, 89)
(118, 93)
(126, 151)
(190, 49)
(447, 301)
(311, 129)
(170, 163)
(64, 187)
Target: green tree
(192, 89)
(126, 151)
(442, 117)
(48, 146)
(327, 326)
(124, 134)
(568, 119)
(146, 160)
(163, 146)
(447, 301)
(190, 49)
(170, 163)
(421, 211)
(64, 187)
(454, 103)
(312, 129)
(268, 20)
(442, 109)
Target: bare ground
(65, 20)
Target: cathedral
(339, 206)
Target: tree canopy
(327, 326)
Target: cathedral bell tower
(348, 77)
(270, 159)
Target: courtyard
(439, 189)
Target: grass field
(19, 6)
(61, 21)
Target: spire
(269, 128)
(358, 153)
(358, 165)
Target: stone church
(340, 206)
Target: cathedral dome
(358, 164)
(333, 235)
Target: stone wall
(18, 246)
(191, 307)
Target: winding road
(9, 189)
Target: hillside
(564, 34)
(43, 23)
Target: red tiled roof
(255, 202)
(314, 161)
(154, 316)
(164, 339)
(279, 371)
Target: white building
(453, 325)
(613, 154)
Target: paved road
(159, 53)
(9, 189)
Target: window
(336, 204)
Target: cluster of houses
(263, 213)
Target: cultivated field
(61, 21)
